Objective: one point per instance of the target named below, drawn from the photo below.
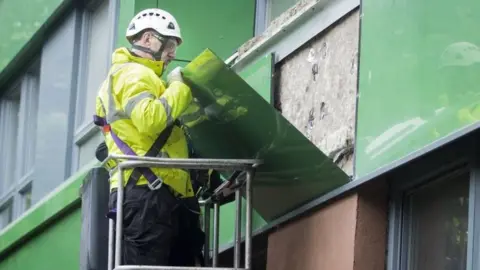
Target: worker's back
(130, 78)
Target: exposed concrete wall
(317, 90)
(316, 87)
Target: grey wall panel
(94, 232)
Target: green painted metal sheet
(419, 76)
(259, 76)
(236, 122)
(57, 247)
(19, 24)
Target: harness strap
(154, 182)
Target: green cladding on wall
(259, 76)
(419, 76)
(18, 24)
(57, 247)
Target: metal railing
(244, 165)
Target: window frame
(8, 204)
(6, 191)
(83, 130)
(314, 18)
(28, 81)
(457, 161)
(23, 189)
(261, 13)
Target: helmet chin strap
(156, 55)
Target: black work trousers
(158, 228)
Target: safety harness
(154, 182)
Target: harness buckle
(106, 128)
(157, 184)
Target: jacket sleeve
(149, 114)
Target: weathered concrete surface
(317, 89)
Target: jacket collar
(123, 55)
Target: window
(26, 198)
(9, 120)
(6, 215)
(18, 123)
(27, 128)
(96, 53)
(268, 10)
(435, 225)
(276, 7)
(94, 63)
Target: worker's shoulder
(135, 72)
(132, 68)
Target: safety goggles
(169, 44)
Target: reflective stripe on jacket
(138, 107)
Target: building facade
(385, 89)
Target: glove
(101, 153)
(175, 75)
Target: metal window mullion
(473, 244)
(81, 85)
(24, 139)
(82, 70)
(268, 12)
(9, 135)
(99, 29)
(407, 253)
(394, 232)
(113, 11)
(30, 128)
(2, 143)
(400, 242)
(260, 16)
(22, 143)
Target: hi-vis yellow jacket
(138, 107)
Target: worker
(138, 114)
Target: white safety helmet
(460, 54)
(153, 18)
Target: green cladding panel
(208, 24)
(125, 14)
(57, 247)
(211, 24)
(231, 120)
(419, 76)
(19, 20)
(259, 76)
